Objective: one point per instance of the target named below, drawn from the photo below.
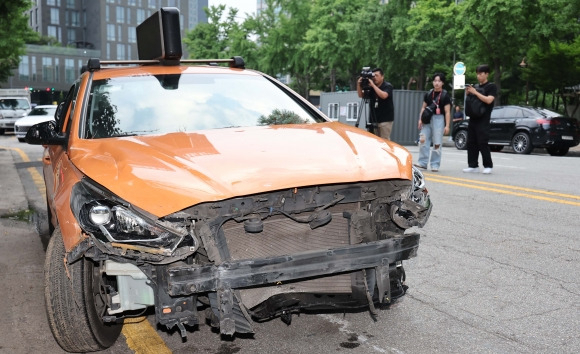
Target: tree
(281, 38)
(329, 40)
(281, 117)
(211, 39)
(14, 33)
(555, 69)
(497, 32)
(425, 37)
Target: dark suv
(525, 128)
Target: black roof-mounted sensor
(159, 37)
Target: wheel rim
(460, 140)
(520, 143)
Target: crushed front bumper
(187, 280)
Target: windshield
(143, 105)
(14, 103)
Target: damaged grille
(300, 220)
(283, 236)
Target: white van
(14, 104)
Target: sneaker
(471, 170)
(434, 170)
(487, 170)
(417, 165)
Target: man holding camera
(380, 96)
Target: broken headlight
(110, 219)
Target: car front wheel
(461, 139)
(557, 151)
(74, 296)
(521, 143)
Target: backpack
(474, 107)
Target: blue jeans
(431, 133)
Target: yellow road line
(36, 177)
(141, 337)
(468, 183)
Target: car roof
(134, 70)
(533, 111)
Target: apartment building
(87, 29)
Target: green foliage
(215, 39)
(323, 44)
(14, 33)
(281, 117)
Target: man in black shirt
(478, 128)
(381, 108)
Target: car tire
(1, 131)
(557, 151)
(73, 311)
(22, 140)
(461, 139)
(521, 143)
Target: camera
(366, 74)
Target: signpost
(459, 75)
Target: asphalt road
(498, 271)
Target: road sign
(459, 68)
(458, 82)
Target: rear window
(161, 104)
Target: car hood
(14, 113)
(167, 173)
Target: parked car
(185, 186)
(12, 108)
(525, 128)
(38, 114)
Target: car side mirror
(45, 134)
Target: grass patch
(21, 215)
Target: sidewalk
(13, 198)
(24, 328)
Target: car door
(503, 123)
(53, 154)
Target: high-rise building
(84, 29)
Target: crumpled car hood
(165, 174)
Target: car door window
(497, 113)
(513, 112)
(63, 107)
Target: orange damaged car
(199, 185)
